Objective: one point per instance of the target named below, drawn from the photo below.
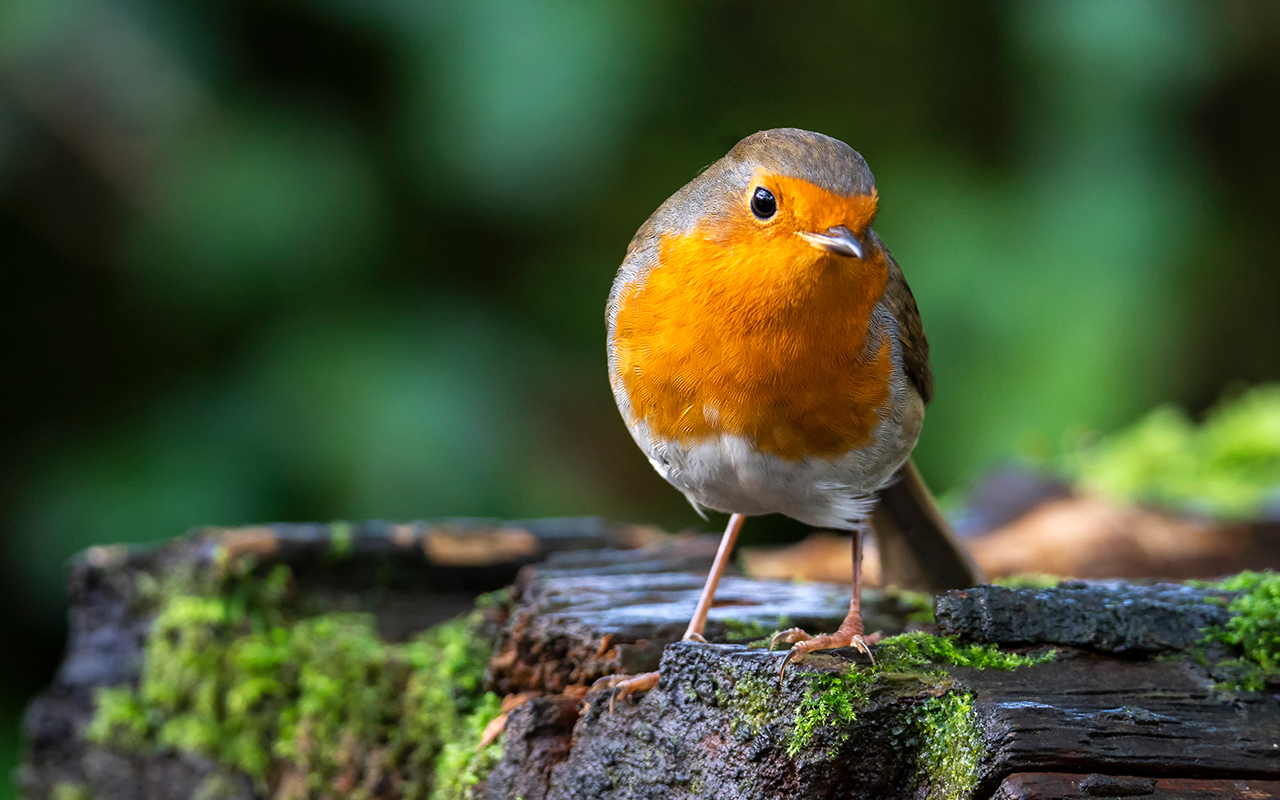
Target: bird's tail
(918, 549)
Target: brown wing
(918, 549)
(915, 347)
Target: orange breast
(759, 336)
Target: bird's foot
(624, 685)
(805, 644)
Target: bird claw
(492, 731)
(806, 644)
(790, 636)
(624, 685)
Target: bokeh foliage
(1228, 467)
(326, 259)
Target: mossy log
(315, 661)
(953, 723)
(585, 615)
(1068, 786)
(382, 581)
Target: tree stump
(1081, 690)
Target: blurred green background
(318, 259)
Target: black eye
(763, 204)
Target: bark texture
(1129, 705)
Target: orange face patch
(745, 328)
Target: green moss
(736, 630)
(1254, 629)
(218, 786)
(340, 539)
(917, 605)
(1029, 580)
(750, 700)
(761, 643)
(1229, 465)
(832, 700)
(66, 790)
(306, 705)
(951, 746)
(463, 763)
(918, 649)
(753, 633)
(497, 599)
(119, 718)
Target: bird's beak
(839, 240)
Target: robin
(768, 357)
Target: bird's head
(781, 201)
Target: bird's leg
(693, 633)
(850, 632)
(624, 685)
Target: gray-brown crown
(819, 159)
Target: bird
(767, 356)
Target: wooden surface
(585, 615)
(409, 575)
(1148, 713)
(1124, 703)
(1068, 786)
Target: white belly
(728, 474)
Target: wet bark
(721, 723)
(1124, 710)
